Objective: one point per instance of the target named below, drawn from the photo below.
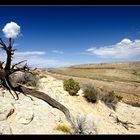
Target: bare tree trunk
(8, 61)
(9, 56)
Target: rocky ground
(25, 116)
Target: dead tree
(6, 69)
(125, 124)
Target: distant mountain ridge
(131, 64)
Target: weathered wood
(1, 65)
(125, 124)
(2, 74)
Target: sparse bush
(110, 97)
(71, 86)
(111, 100)
(64, 128)
(81, 121)
(91, 93)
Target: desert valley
(34, 116)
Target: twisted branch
(125, 124)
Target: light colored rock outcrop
(97, 119)
(25, 116)
(6, 109)
(29, 117)
(5, 128)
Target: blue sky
(55, 36)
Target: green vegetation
(64, 128)
(71, 86)
(91, 93)
(111, 99)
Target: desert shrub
(111, 99)
(71, 86)
(81, 121)
(64, 128)
(91, 93)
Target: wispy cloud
(122, 50)
(34, 59)
(28, 53)
(57, 52)
(37, 61)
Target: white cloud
(34, 59)
(11, 30)
(28, 53)
(125, 41)
(124, 49)
(58, 52)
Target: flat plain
(122, 77)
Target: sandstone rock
(5, 110)
(41, 118)
(24, 116)
(5, 128)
